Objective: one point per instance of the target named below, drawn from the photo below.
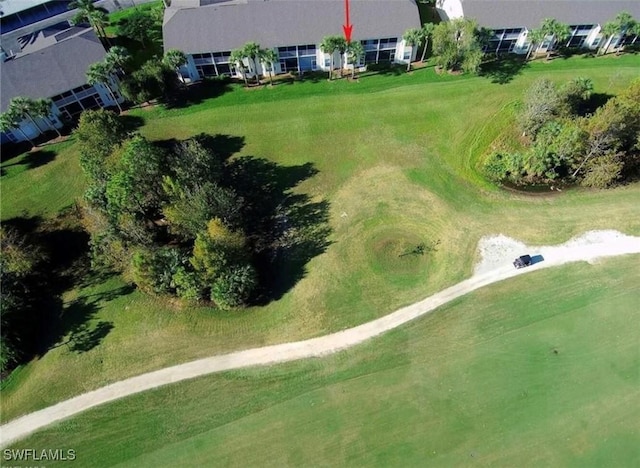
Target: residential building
(53, 64)
(19, 18)
(208, 30)
(512, 20)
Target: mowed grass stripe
(517, 374)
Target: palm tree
(609, 30)
(237, 58)
(10, 121)
(413, 38)
(536, 37)
(87, 12)
(626, 24)
(341, 46)
(175, 58)
(23, 108)
(100, 72)
(329, 45)
(42, 108)
(269, 56)
(356, 53)
(427, 31)
(558, 31)
(117, 58)
(252, 51)
(635, 30)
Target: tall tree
(117, 58)
(100, 72)
(23, 108)
(42, 108)
(413, 38)
(427, 32)
(356, 53)
(635, 30)
(558, 31)
(175, 59)
(269, 57)
(329, 45)
(237, 58)
(10, 121)
(341, 46)
(139, 26)
(456, 45)
(622, 23)
(253, 51)
(87, 12)
(536, 38)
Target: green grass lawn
(397, 159)
(541, 370)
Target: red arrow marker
(348, 27)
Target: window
(206, 70)
(407, 55)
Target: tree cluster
(16, 264)
(595, 150)
(143, 25)
(164, 216)
(457, 45)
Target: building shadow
(503, 70)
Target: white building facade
(208, 30)
(512, 20)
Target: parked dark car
(522, 261)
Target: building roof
(51, 70)
(228, 25)
(530, 13)
(10, 7)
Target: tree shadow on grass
(595, 101)
(131, 122)
(503, 70)
(75, 325)
(199, 92)
(32, 160)
(222, 146)
(285, 228)
(60, 247)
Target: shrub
(500, 166)
(153, 270)
(234, 287)
(188, 284)
(603, 172)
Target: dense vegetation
(564, 143)
(179, 218)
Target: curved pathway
(589, 247)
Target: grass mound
(398, 255)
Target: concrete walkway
(589, 247)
